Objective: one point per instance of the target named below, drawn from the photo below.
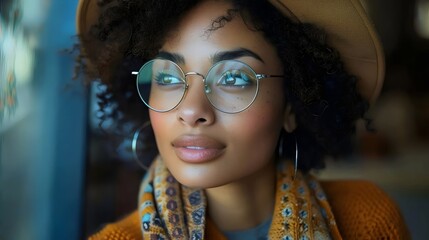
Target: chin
(199, 183)
(200, 180)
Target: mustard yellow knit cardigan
(362, 211)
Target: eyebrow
(175, 57)
(217, 57)
(234, 54)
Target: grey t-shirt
(259, 232)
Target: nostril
(202, 120)
(199, 120)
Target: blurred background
(63, 178)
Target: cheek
(266, 112)
(155, 120)
(160, 123)
(256, 130)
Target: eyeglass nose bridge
(206, 87)
(195, 73)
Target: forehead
(199, 34)
(200, 19)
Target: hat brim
(350, 31)
(346, 23)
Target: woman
(241, 94)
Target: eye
(163, 78)
(235, 78)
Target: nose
(195, 109)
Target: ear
(289, 122)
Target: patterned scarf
(169, 210)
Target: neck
(245, 203)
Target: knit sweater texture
(361, 209)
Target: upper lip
(197, 141)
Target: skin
(240, 182)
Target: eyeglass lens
(230, 86)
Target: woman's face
(201, 146)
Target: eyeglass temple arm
(260, 76)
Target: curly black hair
(322, 94)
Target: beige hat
(346, 23)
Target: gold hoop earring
(134, 144)
(280, 149)
(280, 154)
(296, 159)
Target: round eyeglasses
(231, 86)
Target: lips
(197, 148)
